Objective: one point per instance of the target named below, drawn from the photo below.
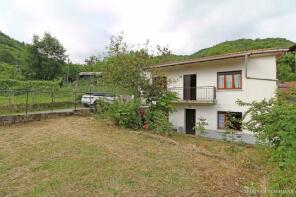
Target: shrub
(164, 102)
(158, 121)
(275, 122)
(200, 126)
(102, 106)
(125, 114)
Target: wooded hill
(11, 51)
(243, 45)
(14, 54)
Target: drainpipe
(246, 70)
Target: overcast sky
(84, 26)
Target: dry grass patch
(77, 156)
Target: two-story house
(208, 87)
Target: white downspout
(246, 70)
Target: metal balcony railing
(201, 94)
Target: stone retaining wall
(22, 118)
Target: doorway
(189, 87)
(190, 121)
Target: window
(234, 119)
(229, 80)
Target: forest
(45, 58)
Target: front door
(190, 121)
(189, 85)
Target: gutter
(246, 70)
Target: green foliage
(243, 45)
(124, 67)
(163, 102)
(125, 114)
(200, 126)
(6, 57)
(158, 121)
(102, 106)
(46, 57)
(12, 51)
(8, 71)
(286, 68)
(157, 117)
(71, 71)
(258, 111)
(275, 122)
(288, 95)
(231, 131)
(7, 84)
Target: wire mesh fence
(26, 101)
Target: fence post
(27, 101)
(13, 102)
(52, 101)
(75, 100)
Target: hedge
(8, 84)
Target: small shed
(89, 75)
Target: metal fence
(26, 101)
(198, 94)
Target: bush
(102, 106)
(158, 121)
(125, 114)
(274, 121)
(8, 71)
(200, 126)
(283, 133)
(164, 102)
(7, 84)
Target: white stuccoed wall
(260, 67)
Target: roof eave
(222, 57)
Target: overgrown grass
(78, 156)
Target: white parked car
(90, 98)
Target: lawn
(15, 102)
(37, 101)
(78, 156)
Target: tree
(91, 61)
(286, 68)
(6, 57)
(274, 122)
(125, 68)
(71, 71)
(46, 57)
(117, 45)
(8, 71)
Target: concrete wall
(260, 67)
(23, 118)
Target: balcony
(195, 95)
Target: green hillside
(243, 45)
(11, 51)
